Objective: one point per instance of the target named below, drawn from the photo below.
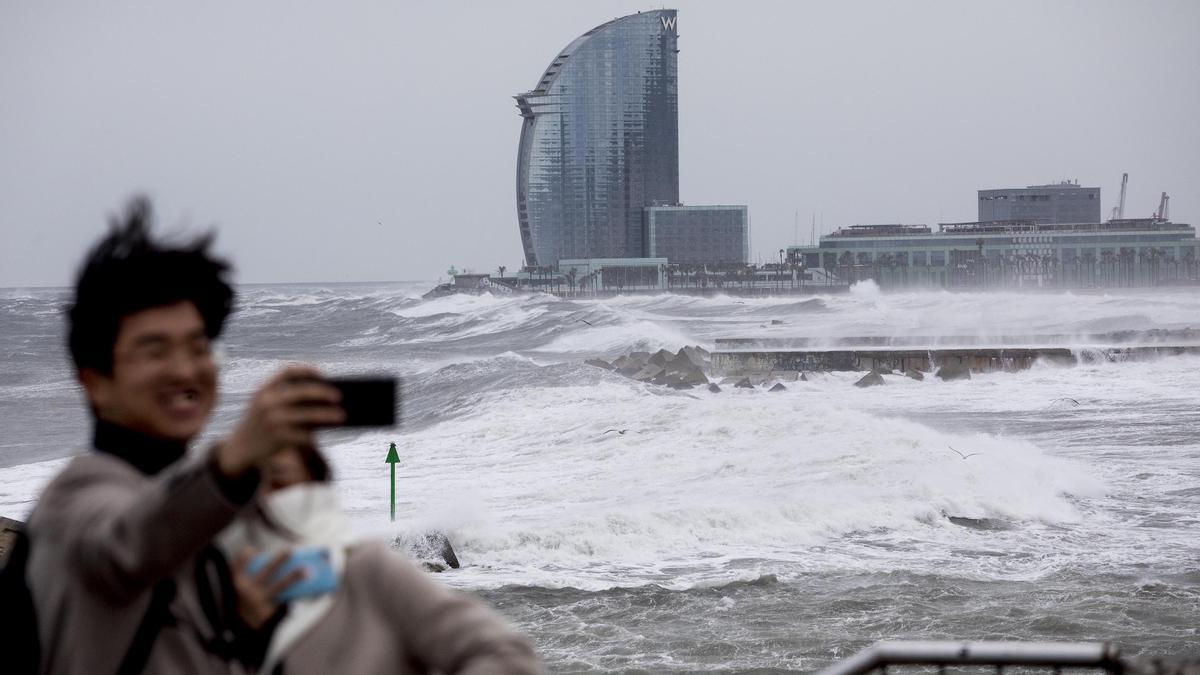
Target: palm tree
(883, 262)
(1109, 261)
(1089, 261)
(845, 262)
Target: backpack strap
(217, 594)
(157, 616)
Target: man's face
(164, 381)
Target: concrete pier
(735, 356)
(9, 529)
(1143, 338)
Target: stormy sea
(632, 527)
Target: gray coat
(103, 535)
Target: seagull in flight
(972, 454)
(584, 321)
(620, 432)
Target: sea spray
(700, 480)
(738, 529)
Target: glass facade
(1135, 251)
(615, 274)
(600, 141)
(1059, 203)
(698, 234)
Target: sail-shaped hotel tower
(600, 141)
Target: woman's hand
(257, 593)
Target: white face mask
(311, 515)
(310, 511)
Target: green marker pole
(393, 458)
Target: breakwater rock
(871, 379)
(430, 550)
(692, 367)
(684, 369)
(954, 371)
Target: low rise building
(999, 253)
(614, 274)
(1055, 203)
(698, 235)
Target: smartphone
(319, 577)
(368, 401)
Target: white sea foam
(473, 304)
(638, 334)
(458, 317)
(867, 291)
(20, 486)
(695, 481)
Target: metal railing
(998, 655)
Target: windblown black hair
(128, 271)
(315, 463)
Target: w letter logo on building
(668, 22)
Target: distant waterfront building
(1042, 235)
(693, 235)
(1117, 252)
(1057, 203)
(615, 274)
(600, 141)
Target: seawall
(731, 360)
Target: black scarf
(146, 453)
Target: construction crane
(1118, 211)
(1164, 208)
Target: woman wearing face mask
(296, 507)
(378, 614)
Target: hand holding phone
(281, 414)
(314, 563)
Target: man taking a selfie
(120, 563)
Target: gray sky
(361, 141)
